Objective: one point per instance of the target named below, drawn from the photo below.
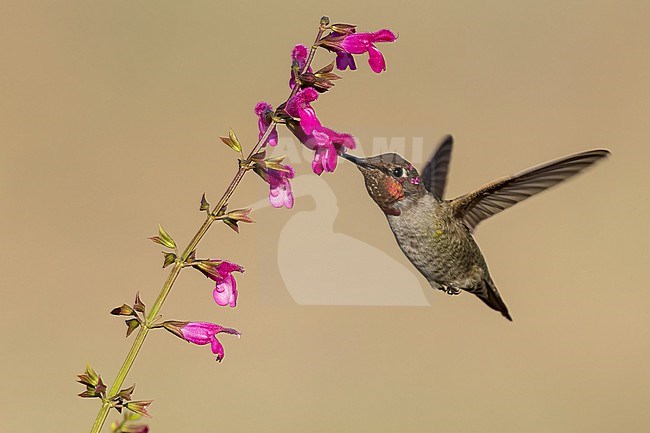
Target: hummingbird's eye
(398, 172)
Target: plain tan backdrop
(110, 114)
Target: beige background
(110, 113)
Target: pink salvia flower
(225, 291)
(299, 55)
(264, 111)
(300, 106)
(327, 145)
(202, 333)
(280, 193)
(359, 43)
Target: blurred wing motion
(504, 193)
(434, 175)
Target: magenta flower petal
(217, 347)
(302, 98)
(202, 333)
(264, 111)
(280, 193)
(331, 157)
(300, 106)
(273, 137)
(225, 292)
(376, 60)
(317, 163)
(308, 120)
(261, 107)
(226, 267)
(299, 54)
(345, 60)
(327, 144)
(384, 35)
(359, 43)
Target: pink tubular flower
(202, 333)
(359, 43)
(300, 106)
(299, 56)
(225, 291)
(264, 111)
(280, 193)
(326, 143)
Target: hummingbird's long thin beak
(356, 160)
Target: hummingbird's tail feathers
(504, 193)
(493, 300)
(434, 175)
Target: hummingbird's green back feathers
(504, 193)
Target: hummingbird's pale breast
(440, 247)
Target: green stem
(178, 265)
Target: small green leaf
(89, 378)
(139, 407)
(275, 163)
(95, 388)
(231, 223)
(132, 325)
(277, 166)
(233, 138)
(231, 141)
(240, 215)
(165, 239)
(169, 259)
(126, 393)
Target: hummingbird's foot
(451, 290)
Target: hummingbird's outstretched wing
(504, 193)
(434, 175)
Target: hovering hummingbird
(436, 234)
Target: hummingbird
(436, 234)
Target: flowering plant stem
(180, 262)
